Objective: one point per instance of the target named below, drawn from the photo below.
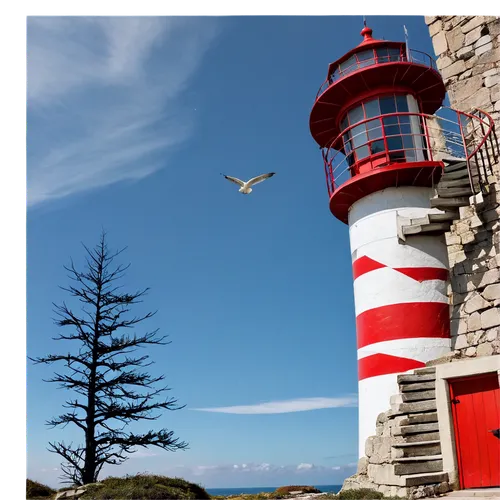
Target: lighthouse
(370, 121)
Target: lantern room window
(368, 57)
(377, 127)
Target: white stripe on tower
(402, 316)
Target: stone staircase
(416, 455)
(452, 192)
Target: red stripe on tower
(365, 265)
(384, 364)
(403, 321)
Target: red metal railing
(400, 55)
(413, 137)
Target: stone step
(457, 174)
(419, 449)
(418, 395)
(452, 183)
(448, 215)
(435, 227)
(453, 192)
(443, 203)
(416, 428)
(427, 369)
(453, 167)
(420, 479)
(418, 465)
(418, 438)
(414, 407)
(424, 418)
(422, 386)
(417, 377)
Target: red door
(476, 417)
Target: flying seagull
(245, 187)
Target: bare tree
(111, 390)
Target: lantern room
(369, 120)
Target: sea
(324, 488)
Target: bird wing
(259, 178)
(234, 179)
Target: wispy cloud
(287, 406)
(104, 98)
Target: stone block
(483, 49)
(476, 303)
(473, 36)
(490, 72)
(454, 69)
(470, 352)
(482, 41)
(473, 23)
(491, 292)
(455, 40)
(435, 27)
(489, 81)
(474, 338)
(452, 239)
(467, 237)
(430, 19)
(492, 334)
(445, 61)
(462, 227)
(439, 43)
(477, 100)
(465, 52)
(490, 318)
(474, 322)
(362, 465)
(485, 349)
(383, 474)
(461, 342)
(369, 446)
(487, 278)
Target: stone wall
(468, 50)
(474, 253)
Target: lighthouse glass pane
(362, 152)
(394, 54)
(356, 115)
(374, 129)
(408, 142)
(372, 108)
(402, 103)
(377, 147)
(387, 105)
(382, 55)
(365, 58)
(348, 66)
(394, 143)
(359, 136)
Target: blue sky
(130, 123)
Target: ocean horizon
(324, 488)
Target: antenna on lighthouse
(406, 43)
(364, 21)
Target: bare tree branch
(115, 392)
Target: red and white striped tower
(368, 118)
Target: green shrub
(285, 490)
(37, 490)
(144, 487)
(361, 494)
